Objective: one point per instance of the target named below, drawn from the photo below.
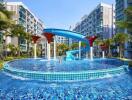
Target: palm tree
(97, 44)
(28, 38)
(108, 43)
(11, 48)
(120, 39)
(74, 46)
(62, 48)
(5, 23)
(18, 31)
(5, 18)
(127, 23)
(17, 48)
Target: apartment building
(99, 22)
(61, 39)
(22, 15)
(121, 5)
(1, 1)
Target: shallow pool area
(114, 86)
(44, 65)
(77, 70)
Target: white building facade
(22, 15)
(99, 22)
(121, 5)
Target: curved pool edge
(66, 76)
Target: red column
(91, 39)
(49, 37)
(35, 38)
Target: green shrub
(130, 63)
(1, 65)
(8, 58)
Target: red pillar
(35, 38)
(49, 37)
(91, 39)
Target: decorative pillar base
(79, 49)
(35, 50)
(103, 54)
(48, 51)
(91, 53)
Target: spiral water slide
(70, 55)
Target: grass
(8, 59)
(1, 64)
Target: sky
(61, 13)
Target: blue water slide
(69, 34)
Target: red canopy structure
(35, 38)
(49, 37)
(91, 40)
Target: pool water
(114, 88)
(64, 66)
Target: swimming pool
(80, 70)
(40, 64)
(113, 87)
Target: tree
(17, 48)
(5, 23)
(18, 31)
(127, 23)
(11, 48)
(61, 49)
(28, 38)
(97, 44)
(5, 18)
(108, 43)
(120, 39)
(76, 45)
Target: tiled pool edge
(66, 76)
